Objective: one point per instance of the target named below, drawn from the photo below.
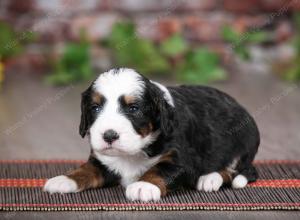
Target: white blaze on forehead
(113, 84)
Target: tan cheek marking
(151, 177)
(97, 98)
(146, 130)
(87, 176)
(167, 157)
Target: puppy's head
(123, 112)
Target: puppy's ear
(167, 117)
(84, 121)
(165, 111)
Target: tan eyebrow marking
(129, 99)
(96, 97)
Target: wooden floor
(41, 122)
(38, 121)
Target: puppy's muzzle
(110, 136)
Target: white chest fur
(130, 168)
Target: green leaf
(174, 46)
(257, 37)
(229, 34)
(240, 41)
(121, 35)
(9, 42)
(201, 66)
(73, 66)
(59, 78)
(131, 51)
(251, 36)
(242, 52)
(12, 42)
(292, 73)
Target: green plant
(174, 46)
(293, 72)
(173, 55)
(9, 43)
(1, 73)
(239, 41)
(131, 51)
(200, 66)
(12, 42)
(73, 66)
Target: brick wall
(199, 20)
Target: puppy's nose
(110, 136)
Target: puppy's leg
(238, 179)
(248, 174)
(213, 181)
(91, 174)
(156, 182)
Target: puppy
(154, 139)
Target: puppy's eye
(96, 108)
(133, 108)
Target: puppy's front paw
(143, 191)
(60, 184)
(210, 182)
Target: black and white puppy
(154, 139)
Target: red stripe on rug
(151, 204)
(286, 183)
(256, 162)
(22, 182)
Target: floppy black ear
(167, 118)
(165, 112)
(85, 117)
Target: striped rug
(21, 181)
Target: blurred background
(50, 51)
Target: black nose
(110, 136)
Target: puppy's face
(123, 113)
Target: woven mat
(278, 188)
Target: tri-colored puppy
(154, 139)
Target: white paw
(210, 182)
(240, 181)
(143, 191)
(60, 184)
